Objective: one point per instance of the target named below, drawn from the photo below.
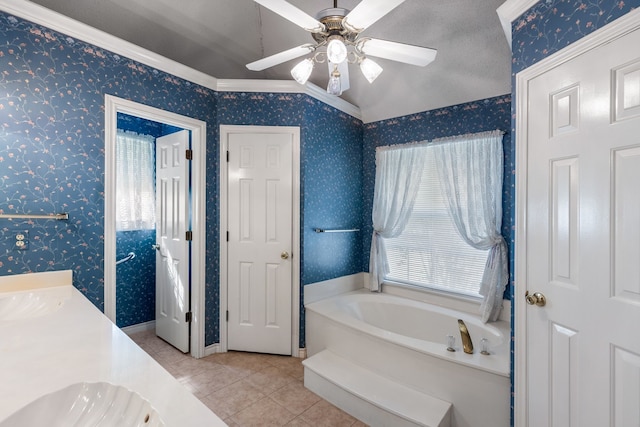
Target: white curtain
(135, 193)
(398, 173)
(470, 171)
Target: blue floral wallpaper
(550, 25)
(136, 278)
(471, 117)
(52, 146)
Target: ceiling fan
(336, 32)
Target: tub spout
(467, 345)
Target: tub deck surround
(76, 344)
(405, 341)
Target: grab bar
(59, 216)
(349, 230)
(129, 257)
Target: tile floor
(248, 389)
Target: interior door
(583, 240)
(260, 196)
(172, 247)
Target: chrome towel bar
(59, 216)
(349, 230)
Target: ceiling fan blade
(367, 12)
(293, 14)
(279, 58)
(401, 52)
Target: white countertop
(77, 343)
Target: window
(437, 214)
(135, 189)
(430, 252)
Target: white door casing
(172, 247)
(198, 129)
(260, 193)
(578, 357)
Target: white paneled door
(172, 247)
(259, 244)
(582, 238)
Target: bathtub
(406, 341)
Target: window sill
(458, 302)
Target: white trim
(302, 353)
(211, 349)
(328, 288)
(225, 130)
(511, 10)
(289, 86)
(140, 327)
(75, 29)
(198, 128)
(616, 29)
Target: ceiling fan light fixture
(302, 71)
(334, 87)
(370, 69)
(336, 51)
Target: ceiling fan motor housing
(332, 19)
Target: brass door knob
(284, 255)
(535, 299)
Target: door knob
(535, 299)
(156, 247)
(284, 255)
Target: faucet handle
(451, 343)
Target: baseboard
(302, 353)
(140, 327)
(211, 349)
(328, 288)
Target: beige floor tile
(298, 422)
(265, 412)
(237, 396)
(295, 397)
(324, 414)
(270, 379)
(359, 424)
(210, 381)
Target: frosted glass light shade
(336, 51)
(370, 69)
(334, 87)
(302, 71)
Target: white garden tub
(405, 341)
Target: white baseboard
(211, 349)
(140, 327)
(328, 288)
(302, 353)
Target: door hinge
(189, 154)
(227, 156)
(227, 315)
(189, 235)
(187, 317)
(227, 236)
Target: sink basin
(87, 405)
(32, 303)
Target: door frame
(616, 29)
(198, 128)
(294, 131)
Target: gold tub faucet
(467, 345)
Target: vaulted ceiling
(219, 37)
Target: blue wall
(52, 91)
(471, 117)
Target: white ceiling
(219, 37)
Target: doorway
(260, 239)
(197, 129)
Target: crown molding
(46, 17)
(289, 86)
(509, 11)
(40, 15)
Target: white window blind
(135, 189)
(430, 252)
